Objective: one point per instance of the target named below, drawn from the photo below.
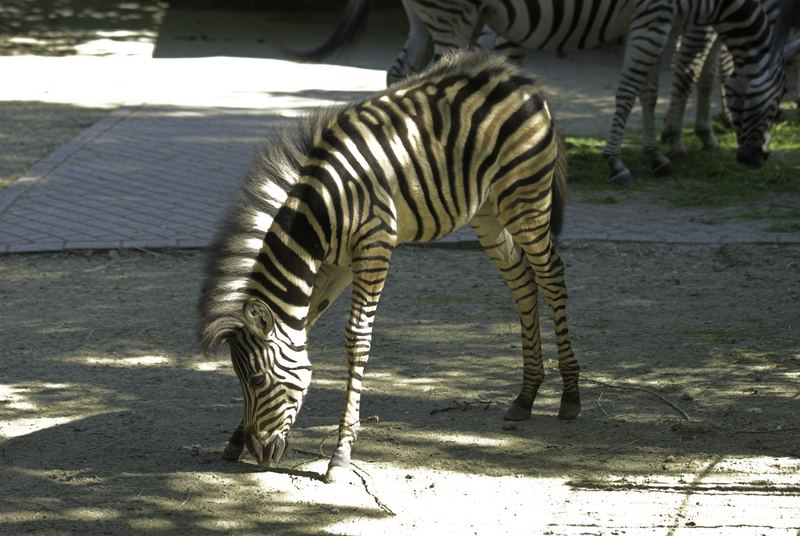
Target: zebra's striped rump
(469, 141)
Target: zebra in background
(469, 141)
(567, 25)
(699, 57)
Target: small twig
(86, 338)
(188, 494)
(143, 250)
(601, 406)
(773, 431)
(628, 444)
(464, 406)
(649, 391)
(97, 268)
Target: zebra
(471, 140)
(567, 25)
(699, 56)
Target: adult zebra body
(470, 141)
(565, 25)
(699, 57)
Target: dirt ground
(111, 422)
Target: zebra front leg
(659, 164)
(370, 269)
(518, 276)
(691, 64)
(703, 128)
(235, 447)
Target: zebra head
(755, 105)
(274, 373)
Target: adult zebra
(565, 25)
(472, 140)
(695, 61)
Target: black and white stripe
(700, 56)
(566, 25)
(470, 141)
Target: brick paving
(159, 175)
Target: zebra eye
(258, 379)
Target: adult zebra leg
(689, 63)
(370, 267)
(703, 124)
(659, 164)
(518, 276)
(416, 53)
(642, 52)
(448, 28)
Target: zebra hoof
(570, 405)
(622, 178)
(661, 166)
(339, 466)
(336, 474)
(520, 409)
(233, 452)
(677, 150)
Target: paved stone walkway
(158, 174)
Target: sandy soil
(111, 422)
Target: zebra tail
(349, 31)
(559, 187)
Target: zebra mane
(241, 233)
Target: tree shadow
(105, 396)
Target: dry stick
(620, 447)
(650, 391)
(599, 405)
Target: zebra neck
(751, 56)
(288, 263)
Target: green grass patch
(710, 179)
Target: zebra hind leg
(549, 272)
(518, 276)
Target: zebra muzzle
(751, 155)
(268, 453)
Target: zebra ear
(258, 317)
(791, 49)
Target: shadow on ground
(111, 416)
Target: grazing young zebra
(698, 54)
(469, 141)
(566, 25)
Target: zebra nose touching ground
(469, 141)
